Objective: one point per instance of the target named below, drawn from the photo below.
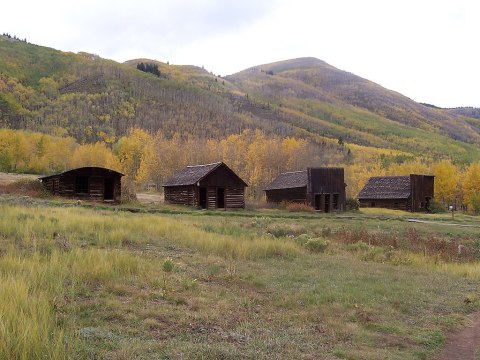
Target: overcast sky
(427, 50)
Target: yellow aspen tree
(129, 151)
(446, 181)
(97, 154)
(471, 187)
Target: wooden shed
(411, 192)
(87, 183)
(321, 188)
(208, 186)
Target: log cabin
(410, 193)
(86, 183)
(321, 188)
(208, 186)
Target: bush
(435, 207)
(299, 207)
(318, 245)
(302, 239)
(29, 187)
(352, 204)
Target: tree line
(151, 158)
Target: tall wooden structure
(208, 186)
(87, 183)
(410, 193)
(321, 188)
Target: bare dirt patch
(151, 199)
(463, 344)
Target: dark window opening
(202, 197)
(81, 185)
(108, 189)
(220, 198)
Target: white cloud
(424, 49)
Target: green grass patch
(100, 283)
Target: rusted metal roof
(386, 187)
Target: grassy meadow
(102, 283)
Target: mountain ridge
(92, 99)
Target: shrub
(326, 231)
(317, 245)
(285, 230)
(435, 207)
(302, 239)
(300, 207)
(352, 204)
(30, 187)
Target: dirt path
(464, 344)
(439, 223)
(150, 199)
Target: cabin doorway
(427, 203)
(108, 189)
(317, 201)
(221, 198)
(202, 193)
(81, 185)
(335, 202)
(327, 203)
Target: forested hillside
(93, 99)
(339, 104)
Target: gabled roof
(195, 173)
(288, 180)
(93, 168)
(386, 187)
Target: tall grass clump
(35, 286)
(235, 247)
(28, 327)
(108, 229)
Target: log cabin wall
(209, 186)
(298, 195)
(408, 192)
(211, 197)
(181, 195)
(235, 198)
(394, 204)
(320, 188)
(233, 189)
(88, 183)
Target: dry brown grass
(26, 186)
(7, 178)
(299, 207)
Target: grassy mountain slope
(93, 99)
(342, 104)
(353, 90)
